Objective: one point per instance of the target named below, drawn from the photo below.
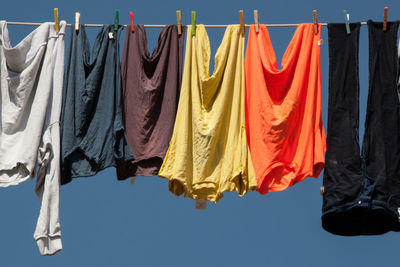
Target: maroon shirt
(150, 90)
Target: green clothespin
(193, 23)
(346, 20)
(116, 21)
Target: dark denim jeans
(362, 193)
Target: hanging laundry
(93, 135)
(31, 76)
(362, 194)
(283, 109)
(150, 90)
(208, 152)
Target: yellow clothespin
(56, 22)
(385, 11)
(201, 204)
(178, 21)
(256, 19)
(242, 26)
(314, 12)
(193, 23)
(77, 18)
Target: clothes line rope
(162, 26)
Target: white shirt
(31, 81)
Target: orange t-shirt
(284, 127)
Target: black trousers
(362, 192)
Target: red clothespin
(132, 27)
(385, 11)
(314, 12)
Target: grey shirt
(31, 78)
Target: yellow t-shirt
(208, 152)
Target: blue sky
(109, 223)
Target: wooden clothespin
(347, 21)
(116, 20)
(193, 23)
(56, 22)
(178, 22)
(256, 19)
(133, 180)
(314, 13)
(201, 204)
(77, 18)
(385, 11)
(321, 190)
(131, 16)
(242, 26)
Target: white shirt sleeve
(48, 232)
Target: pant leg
(372, 206)
(381, 145)
(342, 176)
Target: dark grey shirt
(93, 137)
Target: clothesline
(162, 26)
(95, 102)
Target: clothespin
(77, 18)
(178, 22)
(314, 12)
(242, 27)
(256, 19)
(346, 20)
(385, 11)
(201, 204)
(193, 23)
(116, 21)
(133, 180)
(56, 22)
(132, 27)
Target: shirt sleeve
(48, 232)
